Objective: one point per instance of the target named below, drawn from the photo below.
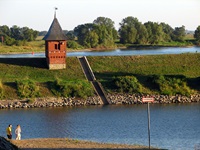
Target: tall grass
(27, 89)
(76, 88)
(1, 90)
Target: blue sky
(38, 14)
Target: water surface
(116, 52)
(173, 126)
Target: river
(173, 126)
(115, 52)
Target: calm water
(116, 52)
(173, 126)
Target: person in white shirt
(18, 132)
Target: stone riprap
(127, 99)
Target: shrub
(27, 89)
(79, 88)
(128, 84)
(73, 45)
(172, 85)
(1, 90)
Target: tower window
(56, 46)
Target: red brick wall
(55, 52)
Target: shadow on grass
(29, 62)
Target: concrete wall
(56, 66)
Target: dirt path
(69, 144)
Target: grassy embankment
(105, 69)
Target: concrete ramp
(90, 77)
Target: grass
(181, 64)
(143, 67)
(105, 69)
(36, 69)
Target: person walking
(9, 131)
(18, 132)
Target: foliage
(99, 33)
(155, 32)
(27, 89)
(172, 85)
(76, 88)
(73, 45)
(70, 35)
(13, 35)
(179, 34)
(128, 84)
(197, 34)
(1, 90)
(128, 31)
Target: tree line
(102, 33)
(16, 35)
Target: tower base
(56, 66)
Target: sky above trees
(38, 14)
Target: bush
(27, 89)
(1, 90)
(73, 45)
(128, 84)
(172, 85)
(81, 89)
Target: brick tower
(55, 46)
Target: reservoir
(173, 126)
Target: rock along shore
(115, 99)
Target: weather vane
(55, 11)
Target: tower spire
(55, 12)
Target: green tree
(4, 30)
(105, 30)
(91, 39)
(142, 34)
(81, 32)
(128, 30)
(179, 34)
(15, 33)
(70, 35)
(197, 34)
(155, 32)
(168, 30)
(9, 41)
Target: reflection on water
(116, 52)
(173, 126)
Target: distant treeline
(102, 33)
(16, 35)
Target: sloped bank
(115, 99)
(6, 145)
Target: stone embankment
(115, 99)
(161, 99)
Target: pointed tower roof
(55, 32)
